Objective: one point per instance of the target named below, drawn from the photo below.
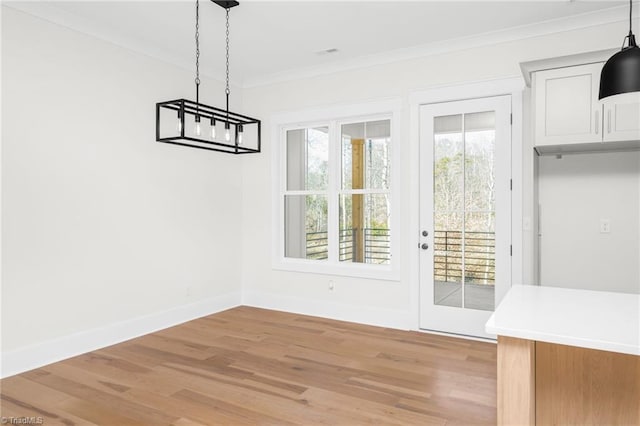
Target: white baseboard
(34, 356)
(39, 355)
(389, 318)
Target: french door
(465, 213)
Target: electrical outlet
(605, 226)
(332, 285)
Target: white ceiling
(276, 40)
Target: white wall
(101, 224)
(391, 303)
(576, 193)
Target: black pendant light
(621, 73)
(194, 124)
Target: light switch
(605, 226)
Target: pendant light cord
(631, 38)
(630, 17)
(197, 80)
(227, 91)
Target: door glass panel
(448, 197)
(464, 210)
(480, 204)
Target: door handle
(424, 246)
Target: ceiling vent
(327, 51)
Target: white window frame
(334, 118)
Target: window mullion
(282, 163)
(332, 192)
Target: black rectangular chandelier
(192, 124)
(197, 125)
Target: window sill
(367, 271)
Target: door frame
(509, 86)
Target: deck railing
(479, 252)
(377, 245)
(479, 257)
(317, 245)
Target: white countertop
(584, 318)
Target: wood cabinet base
(516, 381)
(543, 383)
(586, 387)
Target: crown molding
(585, 20)
(111, 34)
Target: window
(364, 202)
(334, 195)
(306, 198)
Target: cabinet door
(622, 118)
(567, 110)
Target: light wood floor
(254, 366)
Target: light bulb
(240, 132)
(213, 128)
(227, 132)
(198, 129)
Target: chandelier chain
(227, 91)
(197, 43)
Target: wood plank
(586, 387)
(256, 366)
(516, 381)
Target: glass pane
(464, 210)
(448, 201)
(308, 159)
(365, 155)
(305, 222)
(447, 259)
(480, 138)
(479, 261)
(448, 166)
(365, 236)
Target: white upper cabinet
(567, 110)
(621, 118)
(570, 118)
